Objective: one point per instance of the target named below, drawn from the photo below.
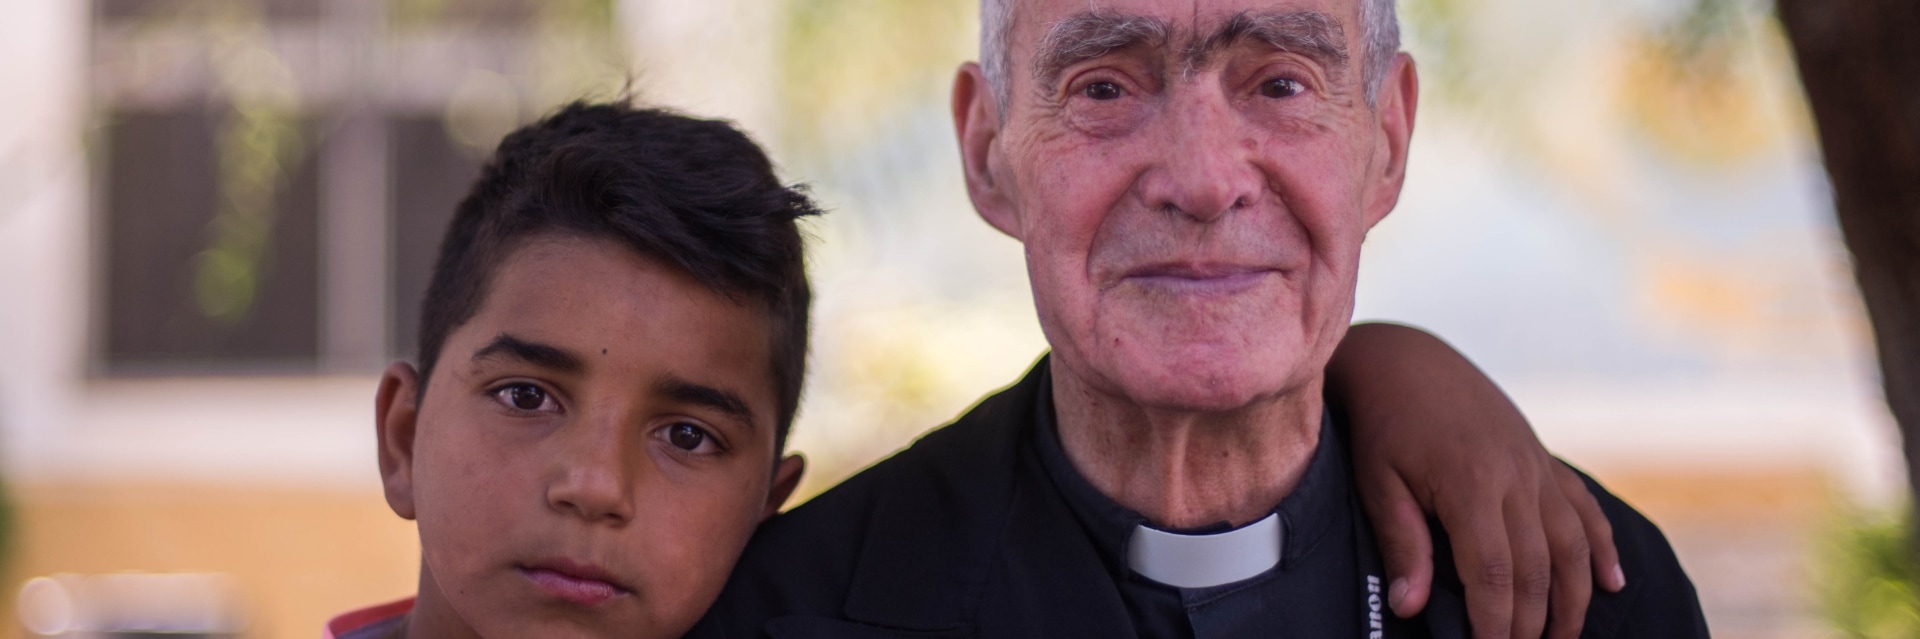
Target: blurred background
(217, 218)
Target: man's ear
(1397, 101)
(786, 477)
(976, 122)
(396, 411)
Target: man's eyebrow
(725, 401)
(1088, 35)
(552, 357)
(1309, 33)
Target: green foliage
(8, 529)
(1439, 30)
(1867, 590)
(846, 64)
(258, 143)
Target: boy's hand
(1433, 435)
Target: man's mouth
(573, 581)
(1201, 279)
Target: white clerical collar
(1201, 561)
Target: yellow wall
(300, 555)
(303, 555)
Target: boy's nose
(591, 480)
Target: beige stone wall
(303, 555)
(300, 555)
(1748, 536)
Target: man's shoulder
(947, 463)
(933, 499)
(1659, 600)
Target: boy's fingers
(1486, 569)
(1599, 531)
(1572, 567)
(1532, 568)
(1406, 545)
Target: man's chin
(1201, 386)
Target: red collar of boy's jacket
(355, 620)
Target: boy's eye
(687, 437)
(523, 396)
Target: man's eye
(523, 396)
(1102, 91)
(1281, 88)
(687, 437)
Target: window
(272, 177)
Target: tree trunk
(1859, 62)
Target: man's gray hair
(1379, 24)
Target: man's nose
(1204, 166)
(592, 477)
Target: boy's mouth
(573, 581)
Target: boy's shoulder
(385, 621)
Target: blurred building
(230, 209)
(217, 217)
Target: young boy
(611, 353)
(611, 350)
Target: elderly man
(1192, 181)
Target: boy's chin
(519, 602)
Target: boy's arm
(1432, 434)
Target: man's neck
(1186, 469)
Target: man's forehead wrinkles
(1097, 32)
(1094, 33)
(1309, 33)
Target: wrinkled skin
(1192, 226)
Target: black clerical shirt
(1315, 591)
(969, 534)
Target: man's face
(594, 448)
(1192, 181)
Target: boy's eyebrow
(718, 399)
(542, 355)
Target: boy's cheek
(477, 509)
(697, 537)
(481, 504)
(470, 501)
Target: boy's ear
(786, 477)
(976, 122)
(396, 411)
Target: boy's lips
(573, 581)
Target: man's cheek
(1322, 190)
(1106, 120)
(1070, 220)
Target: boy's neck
(432, 617)
(399, 630)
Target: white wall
(58, 423)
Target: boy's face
(594, 448)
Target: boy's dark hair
(694, 193)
